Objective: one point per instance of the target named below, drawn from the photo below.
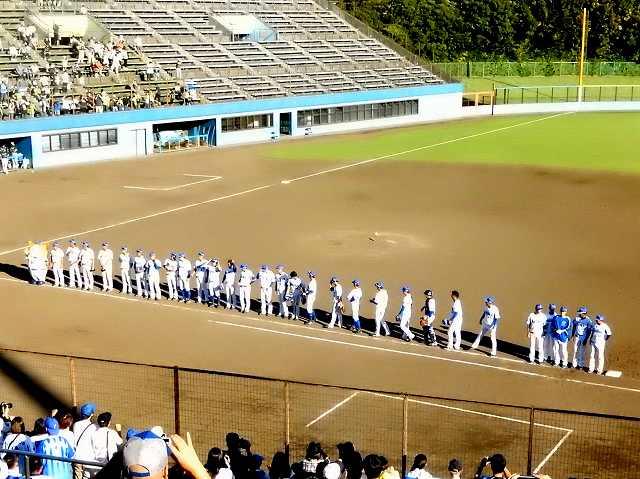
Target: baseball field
(528, 209)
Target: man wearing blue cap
(245, 280)
(282, 281)
(548, 333)
(561, 335)
(83, 431)
(600, 334)
(171, 268)
(404, 315)
(336, 297)
(454, 322)
(354, 297)
(311, 292)
(229, 282)
(139, 263)
(381, 299)
(266, 279)
(200, 269)
(582, 326)
(55, 445)
(489, 324)
(535, 328)
(213, 281)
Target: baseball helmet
(405, 289)
(355, 282)
(582, 310)
(489, 299)
(600, 317)
(312, 274)
(539, 307)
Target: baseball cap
(356, 282)
(582, 309)
(87, 409)
(489, 299)
(563, 309)
(144, 457)
(52, 426)
(312, 274)
(538, 307)
(263, 267)
(379, 284)
(455, 465)
(405, 289)
(428, 292)
(552, 307)
(599, 317)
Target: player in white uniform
(105, 258)
(125, 268)
(381, 299)
(56, 259)
(548, 334)
(354, 297)
(311, 294)
(282, 280)
(489, 324)
(171, 268)
(87, 265)
(266, 278)
(184, 273)
(37, 262)
(429, 310)
(336, 297)
(245, 281)
(404, 315)
(229, 281)
(200, 270)
(73, 258)
(139, 262)
(213, 281)
(454, 323)
(152, 269)
(536, 322)
(600, 334)
(582, 326)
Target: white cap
(144, 457)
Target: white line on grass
(166, 304)
(172, 188)
(330, 410)
(419, 148)
(152, 215)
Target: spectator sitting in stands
(419, 468)
(279, 468)
(314, 456)
(351, 459)
(455, 469)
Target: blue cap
(600, 317)
(379, 284)
(243, 266)
(552, 307)
(563, 309)
(582, 309)
(356, 282)
(52, 426)
(489, 299)
(263, 267)
(87, 409)
(405, 289)
(131, 432)
(539, 307)
(312, 274)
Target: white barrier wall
(529, 108)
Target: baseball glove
(423, 322)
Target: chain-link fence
(280, 415)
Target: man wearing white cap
(282, 280)
(125, 266)
(56, 259)
(105, 258)
(245, 281)
(139, 263)
(146, 458)
(170, 267)
(152, 269)
(200, 269)
(536, 323)
(600, 334)
(87, 265)
(354, 297)
(381, 299)
(336, 296)
(73, 258)
(266, 278)
(489, 324)
(404, 315)
(311, 293)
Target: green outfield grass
(599, 141)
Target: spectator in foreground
(83, 431)
(17, 440)
(218, 464)
(314, 456)
(13, 468)
(36, 466)
(351, 459)
(373, 466)
(65, 419)
(55, 445)
(146, 458)
(39, 431)
(455, 469)
(279, 468)
(419, 468)
(105, 441)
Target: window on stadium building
(345, 114)
(82, 139)
(250, 122)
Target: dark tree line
(455, 30)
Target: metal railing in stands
(27, 469)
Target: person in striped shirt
(55, 445)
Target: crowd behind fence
(281, 415)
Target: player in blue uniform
(582, 327)
(561, 335)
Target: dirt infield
(524, 235)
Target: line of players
(549, 333)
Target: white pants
(494, 342)
(201, 287)
(125, 278)
(107, 279)
(74, 275)
(311, 300)
(39, 274)
(454, 334)
(153, 281)
(5, 163)
(171, 285)
(405, 321)
(58, 275)
(214, 292)
(597, 364)
(229, 292)
(355, 314)
(87, 276)
(141, 285)
(548, 346)
(245, 298)
(284, 307)
(266, 294)
(380, 322)
(579, 351)
(560, 353)
(536, 340)
(336, 315)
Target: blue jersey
(562, 328)
(582, 328)
(60, 447)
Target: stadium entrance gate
(285, 123)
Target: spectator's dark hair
(38, 427)
(314, 451)
(293, 274)
(104, 419)
(17, 425)
(455, 293)
(245, 444)
(419, 462)
(384, 462)
(11, 460)
(345, 449)
(373, 466)
(232, 438)
(498, 463)
(280, 468)
(215, 461)
(35, 464)
(65, 421)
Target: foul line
(425, 147)
(552, 452)
(171, 188)
(330, 410)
